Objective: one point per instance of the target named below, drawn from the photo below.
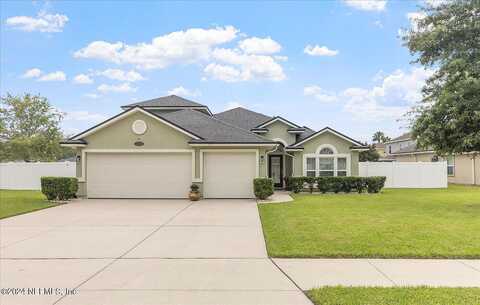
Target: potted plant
(194, 194)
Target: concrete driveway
(141, 252)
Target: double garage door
(168, 175)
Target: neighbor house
(461, 168)
(158, 148)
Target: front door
(275, 170)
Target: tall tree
(380, 137)
(447, 40)
(30, 129)
(371, 154)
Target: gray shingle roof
(166, 101)
(405, 136)
(243, 118)
(212, 130)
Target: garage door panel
(138, 175)
(228, 175)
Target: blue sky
(326, 63)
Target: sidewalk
(311, 273)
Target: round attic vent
(139, 127)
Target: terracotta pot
(194, 196)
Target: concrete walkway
(311, 273)
(278, 197)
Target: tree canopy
(30, 129)
(380, 137)
(447, 39)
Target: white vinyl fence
(408, 174)
(26, 176)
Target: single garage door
(138, 175)
(228, 175)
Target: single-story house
(461, 168)
(158, 148)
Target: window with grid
(326, 166)
(311, 167)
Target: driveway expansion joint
(381, 272)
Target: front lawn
(13, 202)
(394, 296)
(409, 223)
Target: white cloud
(320, 94)
(436, 3)
(44, 22)
(221, 72)
(415, 18)
(255, 45)
(232, 105)
(93, 95)
(124, 87)
(84, 116)
(189, 46)
(319, 51)
(181, 91)
(389, 100)
(32, 73)
(53, 77)
(367, 5)
(378, 24)
(117, 74)
(243, 67)
(82, 79)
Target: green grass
(13, 202)
(409, 223)
(394, 296)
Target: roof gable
(278, 119)
(129, 112)
(333, 131)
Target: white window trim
(335, 157)
(257, 159)
(84, 161)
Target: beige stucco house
(158, 148)
(461, 168)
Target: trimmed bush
(263, 187)
(375, 184)
(348, 184)
(310, 181)
(59, 188)
(323, 184)
(297, 183)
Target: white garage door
(228, 175)
(139, 175)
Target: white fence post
(408, 174)
(26, 176)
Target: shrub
(297, 183)
(288, 183)
(336, 184)
(348, 184)
(194, 188)
(59, 188)
(263, 187)
(323, 184)
(310, 182)
(375, 184)
(359, 184)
